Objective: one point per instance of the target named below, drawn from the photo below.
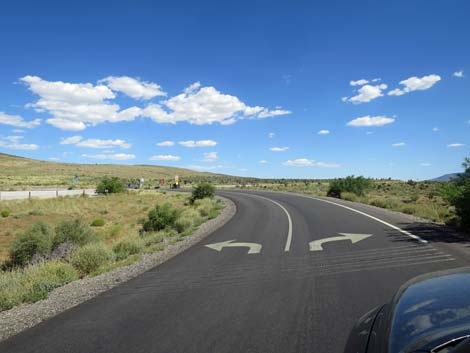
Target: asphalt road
(284, 298)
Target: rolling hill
(23, 173)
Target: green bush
(111, 185)
(5, 213)
(91, 256)
(202, 191)
(160, 217)
(126, 247)
(36, 240)
(356, 185)
(99, 222)
(33, 283)
(74, 231)
(204, 206)
(188, 218)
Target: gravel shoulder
(25, 316)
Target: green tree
(111, 185)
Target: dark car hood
(429, 308)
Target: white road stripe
(289, 233)
(411, 235)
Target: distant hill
(23, 173)
(446, 177)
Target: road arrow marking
(316, 245)
(254, 248)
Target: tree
(111, 185)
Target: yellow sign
(177, 179)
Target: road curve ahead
(286, 274)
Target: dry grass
(121, 213)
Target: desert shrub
(98, 222)
(5, 213)
(33, 283)
(349, 196)
(111, 185)
(378, 203)
(203, 190)
(356, 185)
(74, 231)
(126, 247)
(37, 240)
(187, 219)
(160, 217)
(91, 256)
(204, 206)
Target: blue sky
(240, 88)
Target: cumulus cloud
(104, 144)
(370, 121)
(323, 132)
(18, 121)
(166, 144)
(305, 162)
(210, 157)
(271, 135)
(14, 143)
(399, 144)
(279, 149)
(165, 157)
(72, 140)
(358, 82)
(366, 93)
(74, 106)
(133, 87)
(458, 74)
(114, 156)
(456, 145)
(200, 143)
(425, 164)
(263, 161)
(206, 105)
(415, 84)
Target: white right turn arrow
(316, 245)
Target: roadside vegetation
(45, 244)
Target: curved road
(287, 295)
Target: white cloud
(415, 84)
(18, 121)
(210, 157)
(399, 144)
(366, 93)
(72, 140)
(74, 106)
(206, 105)
(323, 132)
(458, 74)
(165, 157)
(104, 144)
(279, 149)
(166, 144)
(369, 132)
(435, 129)
(456, 145)
(132, 87)
(271, 135)
(304, 162)
(13, 143)
(358, 82)
(425, 164)
(114, 157)
(371, 121)
(200, 143)
(263, 161)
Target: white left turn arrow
(254, 248)
(316, 245)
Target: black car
(430, 313)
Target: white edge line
(289, 233)
(411, 235)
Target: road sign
(316, 245)
(177, 179)
(162, 181)
(254, 248)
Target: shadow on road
(432, 232)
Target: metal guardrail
(43, 194)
